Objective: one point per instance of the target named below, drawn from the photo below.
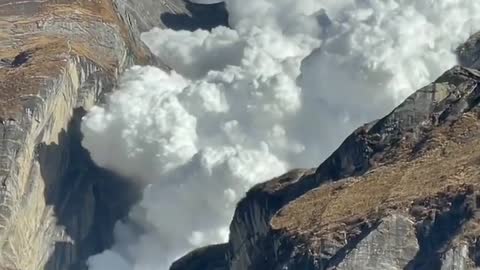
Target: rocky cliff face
(58, 58)
(399, 193)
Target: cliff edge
(57, 59)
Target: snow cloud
(206, 2)
(279, 89)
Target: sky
(280, 89)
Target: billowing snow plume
(280, 89)
(206, 2)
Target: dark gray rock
(211, 257)
(468, 53)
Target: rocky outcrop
(390, 246)
(399, 193)
(58, 58)
(212, 257)
(468, 54)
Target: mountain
(399, 193)
(58, 58)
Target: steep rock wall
(58, 58)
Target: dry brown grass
(450, 161)
(93, 10)
(19, 83)
(101, 10)
(20, 30)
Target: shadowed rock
(198, 17)
(212, 257)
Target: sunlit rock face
(58, 59)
